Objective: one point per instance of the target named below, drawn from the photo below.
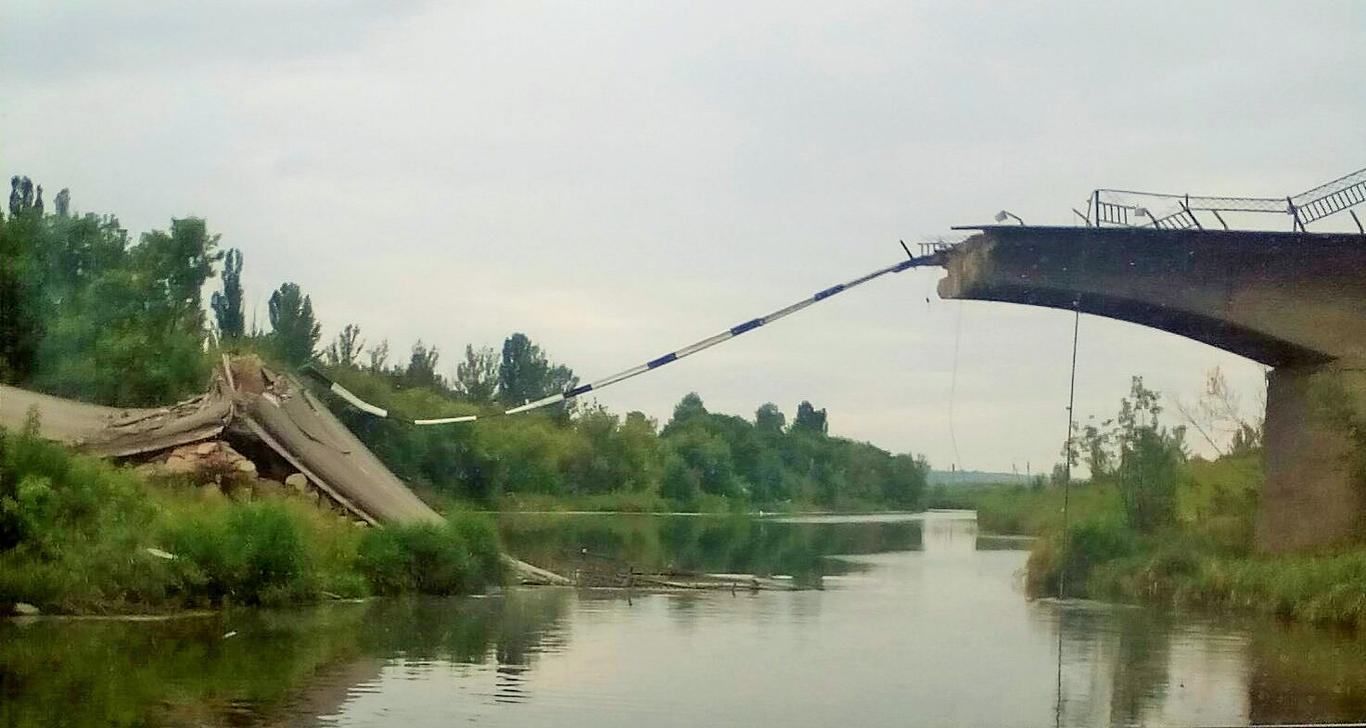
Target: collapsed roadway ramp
(259, 411)
(255, 408)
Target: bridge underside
(1292, 301)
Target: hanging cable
(734, 331)
(1066, 493)
(1071, 419)
(953, 382)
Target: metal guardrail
(1132, 208)
(1331, 198)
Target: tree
(809, 419)
(706, 462)
(1093, 446)
(526, 375)
(16, 198)
(1150, 459)
(559, 378)
(120, 325)
(295, 331)
(378, 357)
(21, 293)
(688, 409)
(638, 446)
(522, 372)
(227, 305)
(614, 454)
(179, 262)
(476, 378)
(345, 350)
(905, 486)
(421, 371)
(681, 483)
(769, 419)
(1217, 416)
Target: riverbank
(79, 535)
(1204, 559)
(905, 598)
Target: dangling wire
(953, 382)
(1071, 419)
(1066, 494)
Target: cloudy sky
(617, 179)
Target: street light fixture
(1004, 215)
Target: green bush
(80, 535)
(1202, 559)
(458, 556)
(1087, 545)
(253, 553)
(71, 529)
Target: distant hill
(975, 477)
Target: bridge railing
(1133, 208)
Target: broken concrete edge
(321, 485)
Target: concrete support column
(1313, 497)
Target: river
(901, 620)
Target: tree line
(91, 314)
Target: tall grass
(1022, 510)
(81, 535)
(1204, 559)
(271, 552)
(458, 556)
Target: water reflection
(1294, 670)
(796, 547)
(186, 671)
(1130, 666)
(931, 629)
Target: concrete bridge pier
(1314, 494)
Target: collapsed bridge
(270, 416)
(256, 409)
(1295, 301)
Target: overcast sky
(618, 179)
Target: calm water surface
(915, 621)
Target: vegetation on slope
(1153, 524)
(590, 458)
(81, 535)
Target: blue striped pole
(625, 374)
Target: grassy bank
(79, 535)
(1019, 509)
(1111, 562)
(1205, 558)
